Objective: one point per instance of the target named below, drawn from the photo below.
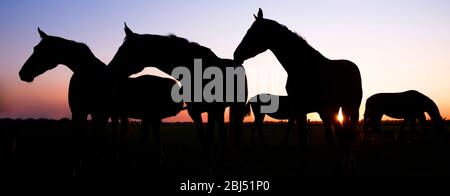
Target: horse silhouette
(316, 83)
(168, 52)
(90, 92)
(87, 86)
(148, 98)
(283, 113)
(409, 106)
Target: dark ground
(45, 148)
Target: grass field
(45, 148)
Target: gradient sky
(398, 45)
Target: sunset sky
(397, 45)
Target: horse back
(398, 105)
(331, 82)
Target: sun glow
(340, 117)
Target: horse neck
(294, 54)
(84, 63)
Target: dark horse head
(52, 51)
(131, 56)
(257, 39)
(163, 52)
(45, 57)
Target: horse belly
(85, 95)
(278, 115)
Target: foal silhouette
(168, 52)
(316, 83)
(90, 92)
(409, 106)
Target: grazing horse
(171, 53)
(283, 112)
(409, 106)
(145, 97)
(316, 83)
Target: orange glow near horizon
(397, 45)
(340, 117)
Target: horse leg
(327, 120)
(210, 130)
(309, 128)
(79, 133)
(222, 128)
(302, 130)
(212, 118)
(365, 130)
(156, 127)
(261, 136)
(371, 120)
(145, 127)
(259, 119)
(302, 139)
(257, 125)
(237, 114)
(124, 124)
(376, 123)
(413, 131)
(96, 140)
(223, 139)
(99, 121)
(290, 124)
(400, 131)
(79, 125)
(123, 131)
(198, 123)
(114, 127)
(350, 119)
(424, 134)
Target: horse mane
(298, 39)
(174, 41)
(191, 46)
(79, 45)
(182, 40)
(79, 48)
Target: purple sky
(398, 45)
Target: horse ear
(128, 31)
(42, 34)
(256, 18)
(260, 13)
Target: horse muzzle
(25, 78)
